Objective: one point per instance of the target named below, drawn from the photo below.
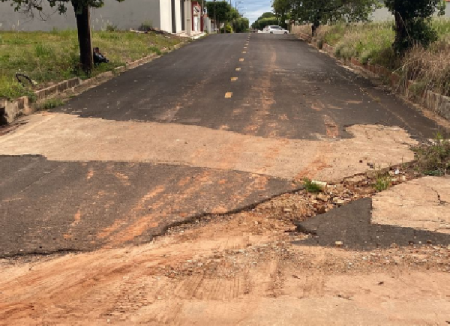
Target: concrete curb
(437, 103)
(12, 110)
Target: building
(384, 14)
(174, 16)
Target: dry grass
(305, 29)
(430, 68)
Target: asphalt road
(268, 86)
(285, 89)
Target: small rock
(339, 244)
(338, 201)
(323, 197)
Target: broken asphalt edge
(162, 232)
(350, 227)
(198, 217)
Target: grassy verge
(434, 160)
(371, 43)
(49, 57)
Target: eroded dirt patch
(240, 269)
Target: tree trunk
(314, 27)
(84, 37)
(401, 34)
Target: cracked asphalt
(265, 87)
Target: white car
(275, 29)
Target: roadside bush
(226, 29)
(372, 43)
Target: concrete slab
(422, 204)
(350, 227)
(66, 137)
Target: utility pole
(202, 16)
(215, 17)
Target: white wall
(165, 15)
(384, 14)
(125, 15)
(178, 15)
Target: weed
(111, 28)
(10, 88)
(146, 26)
(50, 104)
(311, 186)
(382, 182)
(42, 50)
(434, 159)
(418, 88)
(154, 49)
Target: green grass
(311, 186)
(48, 57)
(50, 104)
(370, 42)
(382, 182)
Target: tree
(318, 12)
(267, 18)
(220, 10)
(82, 15)
(412, 22)
(281, 9)
(241, 25)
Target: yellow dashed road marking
(228, 95)
(241, 59)
(244, 51)
(234, 79)
(238, 69)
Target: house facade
(173, 16)
(384, 14)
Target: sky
(254, 8)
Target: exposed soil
(232, 270)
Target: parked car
(275, 29)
